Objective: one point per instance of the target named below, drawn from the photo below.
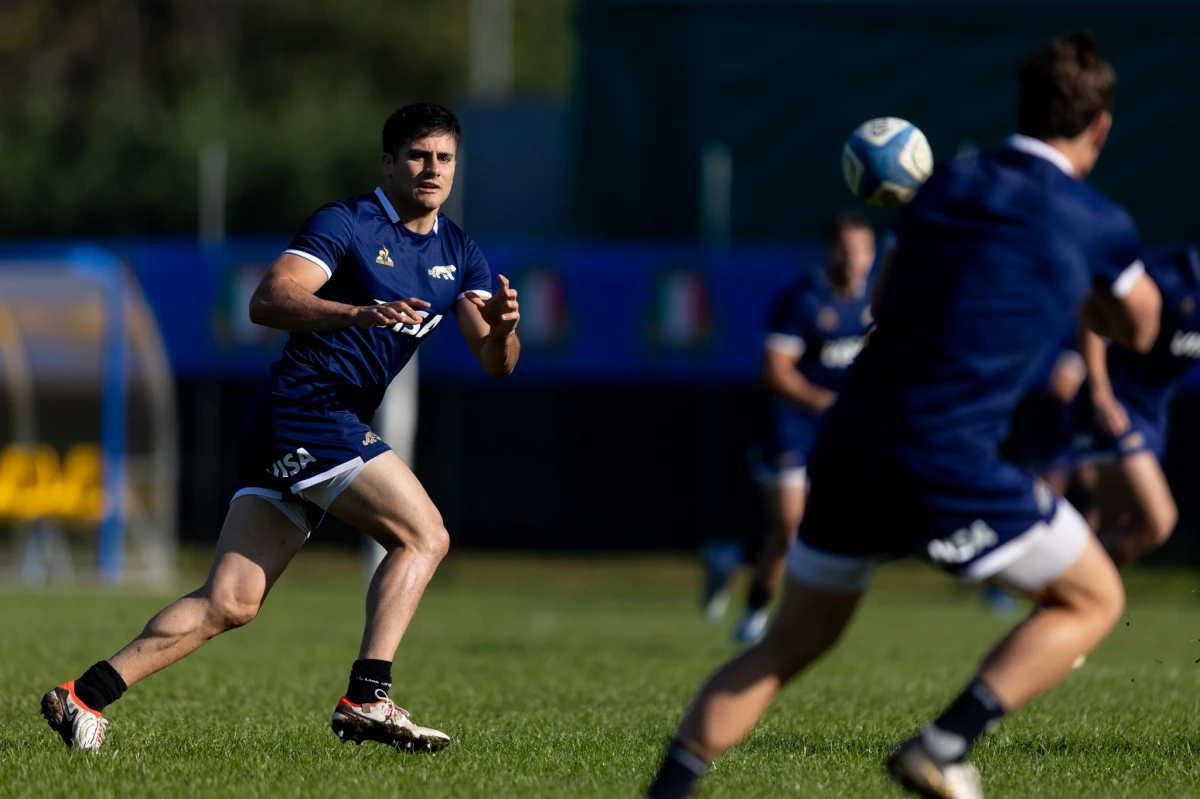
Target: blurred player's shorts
(780, 458)
(972, 515)
(1090, 444)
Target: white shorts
(1027, 562)
(791, 476)
(322, 494)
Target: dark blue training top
(994, 259)
(1147, 383)
(371, 257)
(809, 319)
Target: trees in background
(108, 102)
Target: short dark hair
(1064, 86)
(417, 121)
(851, 220)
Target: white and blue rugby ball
(885, 161)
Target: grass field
(565, 679)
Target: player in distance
(362, 284)
(995, 257)
(1121, 420)
(814, 332)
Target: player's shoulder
(357, 206)
(804, 289)
(1175, 267)
(454, 235)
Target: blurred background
(648, 174)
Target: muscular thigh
(388, 503)
(1147, 486)
(257, 542)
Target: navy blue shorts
(288, 450)
(785, 442)
(957, 511)
(1089, 443)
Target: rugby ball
(885, 161)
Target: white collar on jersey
(391, 212)
(1032, 146)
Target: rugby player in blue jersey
(362, 284)
(995, 257)
(1121, 420)
(814, 332)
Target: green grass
(565, 679)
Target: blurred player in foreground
(361, 284)
(814, 332)
(994, 258)
(1122, 419)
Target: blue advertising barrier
(607, 312)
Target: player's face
(423, 171)
(850, 261)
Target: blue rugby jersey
(809, 319)
(371, 257)
(1147, 383)
(995, 257)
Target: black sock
(100, 686)
(367, 677)
(759, 597)
(952, 734)
(679, 771)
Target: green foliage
(566, 678)
(107, 103)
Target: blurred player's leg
(257, 543)
(1138, 511)
(721, 559)
(388, 503)
(783, 499)
(1078, 607)
(1063, 567)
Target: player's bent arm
(1068, 375)
(780, 375)
(286, 300)
(497, 348)
(1126, 314)
(1095, 356)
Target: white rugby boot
(752, 627)
(916, 772)
(384, 722)
(79, 725)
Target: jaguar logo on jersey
(1185, 345)
(964, 545)
(444, 272)
(1187, 306)
(291, 464)
(827, 318)
(371, 439)
(839, 353)
(384, 259)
